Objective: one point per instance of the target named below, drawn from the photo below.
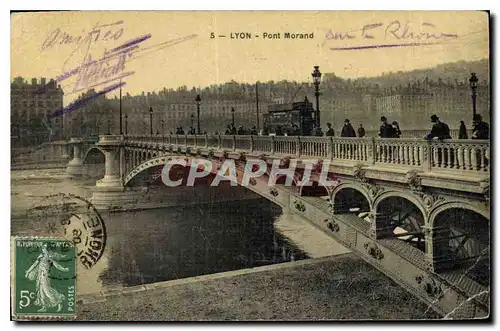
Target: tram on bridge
(290, 119)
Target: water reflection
(163, 244)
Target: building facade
(31, 108)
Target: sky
(349, 44)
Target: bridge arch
(143, 166)
(94, 151)
(94, 162)
(400, 215)
(345, 192)
(400, 194)
(456, 204)
(461, 239)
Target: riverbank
(331, 288)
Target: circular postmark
(75, 218)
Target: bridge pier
(109, 190)
(75, 166)
(64, 150)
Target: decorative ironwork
(373, 189)
(252, 181)
(373, 250)
(486, 193)
(359, 173)
(333, 226)
(299, 205)
(188, 151)
(179, 149)
(414, 181)
(211, 153)
(419, 279)
(433, 289)
(430, 200)
(274, 192)
(429, 265)
(198, 151)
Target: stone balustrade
(451, 155)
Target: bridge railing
(402, 151)
(456, 155)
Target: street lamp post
(151, 121)
(126, 124)
(198, 100)
(162, 127)
(109, 127)
(192, 120)
(232, 116)
(121, 129)
(98, 125)
(473, 86)
(316, 75)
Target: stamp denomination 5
(44, 283)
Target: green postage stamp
(44, 284)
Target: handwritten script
(396, 33)
(110, 68)
(59, 37)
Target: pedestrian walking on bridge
(329, 132)
(361, 131)
(348, 130)
(440, 131)
(462, 132)
(386, 130)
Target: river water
(147, 246)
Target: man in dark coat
(462, 132)
(279, 130)
(348, 130)
(361, 131)
(439, 129)
(329, 132)
(481, 129)
(386, 130)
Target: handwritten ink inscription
(58, 36)
(90, 71)
(404, 33)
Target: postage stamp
(44, 284)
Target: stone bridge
(417, 210)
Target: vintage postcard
(250, 165)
